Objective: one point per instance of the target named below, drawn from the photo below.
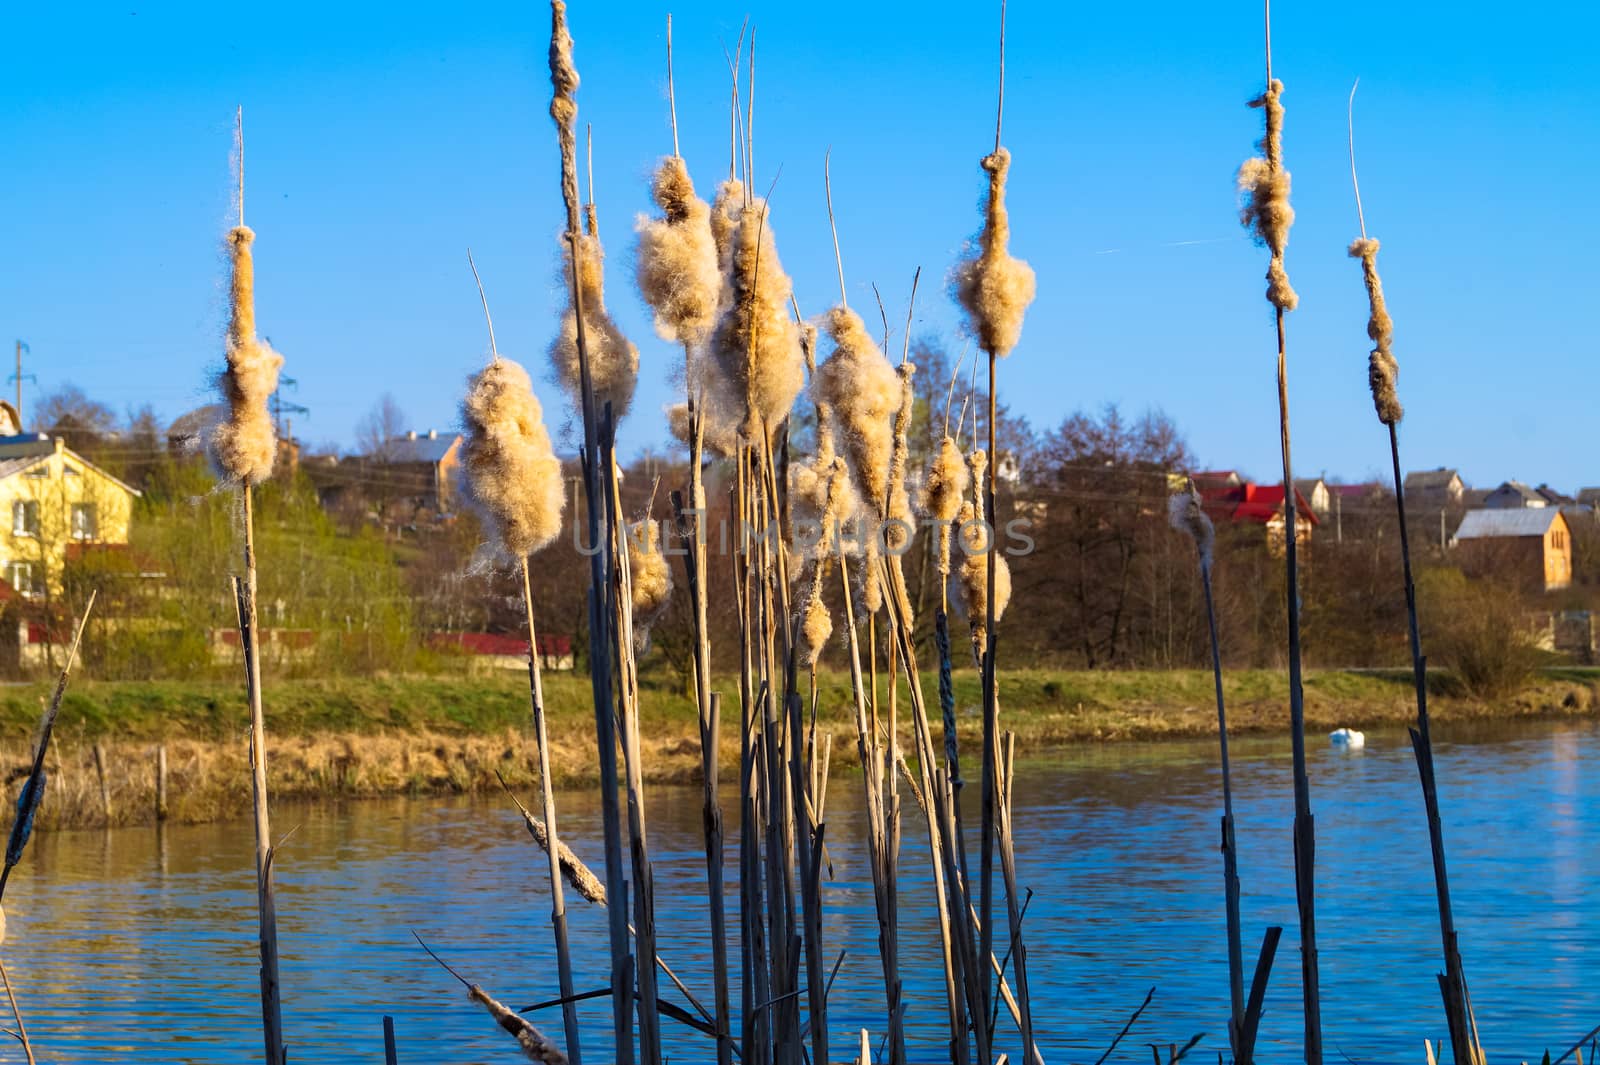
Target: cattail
(902, 522)
(512, 474)
(975, 547)
(534, 1043)
(1382, 369)
(677, 263)
(726, 209)
(864, 392)
(993, 287)
(808, 346)
(573, 870)
(816, 622)
(244, 445)
(942, 492)
(1264, 184)
(1185, 515)
(613, 360)
(650, 579)
(756, 343)
(718, 436)
(977, 463)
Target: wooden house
(1530, 545)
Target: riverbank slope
(397, 735)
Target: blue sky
(384, 140)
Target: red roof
(1259, 503)
(493, 643)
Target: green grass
(1037, 703)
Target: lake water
(138, 944)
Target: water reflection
(139, 943)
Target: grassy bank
(383, 736)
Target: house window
(23, 577)
(25, 517)
(85, 522)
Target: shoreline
(377, 737)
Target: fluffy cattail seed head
(816, 624)
(726, 209)
(535, 1045)
(613, 360)
(649, 578)
(244, 445)
(942, 492)
(511, 471)
(994, 288)
(1264, 187)
(1185, 515)
(756, 343)
(1382, 368)
(974, 577)
(676, 263)
(863, 390)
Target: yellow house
(53, 502)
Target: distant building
(1316, 492)
(1532, 545)
(1514, 495)
(420, 466)
(490, 651)
(1248, 503)
(53, 501)
(1436, 488)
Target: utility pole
(1338, 516)
(19, 377)
(1441, 529)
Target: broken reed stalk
(1186, 516)
(33, 788)
(1381, 374)
(563, 111)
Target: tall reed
(1382, 371)
(1264, 184)
(598, 436)
(243, 448)
(514, 479)
(994, 289)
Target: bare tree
(377, 430)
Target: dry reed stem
(22, 1031)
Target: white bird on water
(1347, 737)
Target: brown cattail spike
(1382, 369)
(1264, 185)
(244, 445)
(994, 288)
(677, 261)
(512, 473)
